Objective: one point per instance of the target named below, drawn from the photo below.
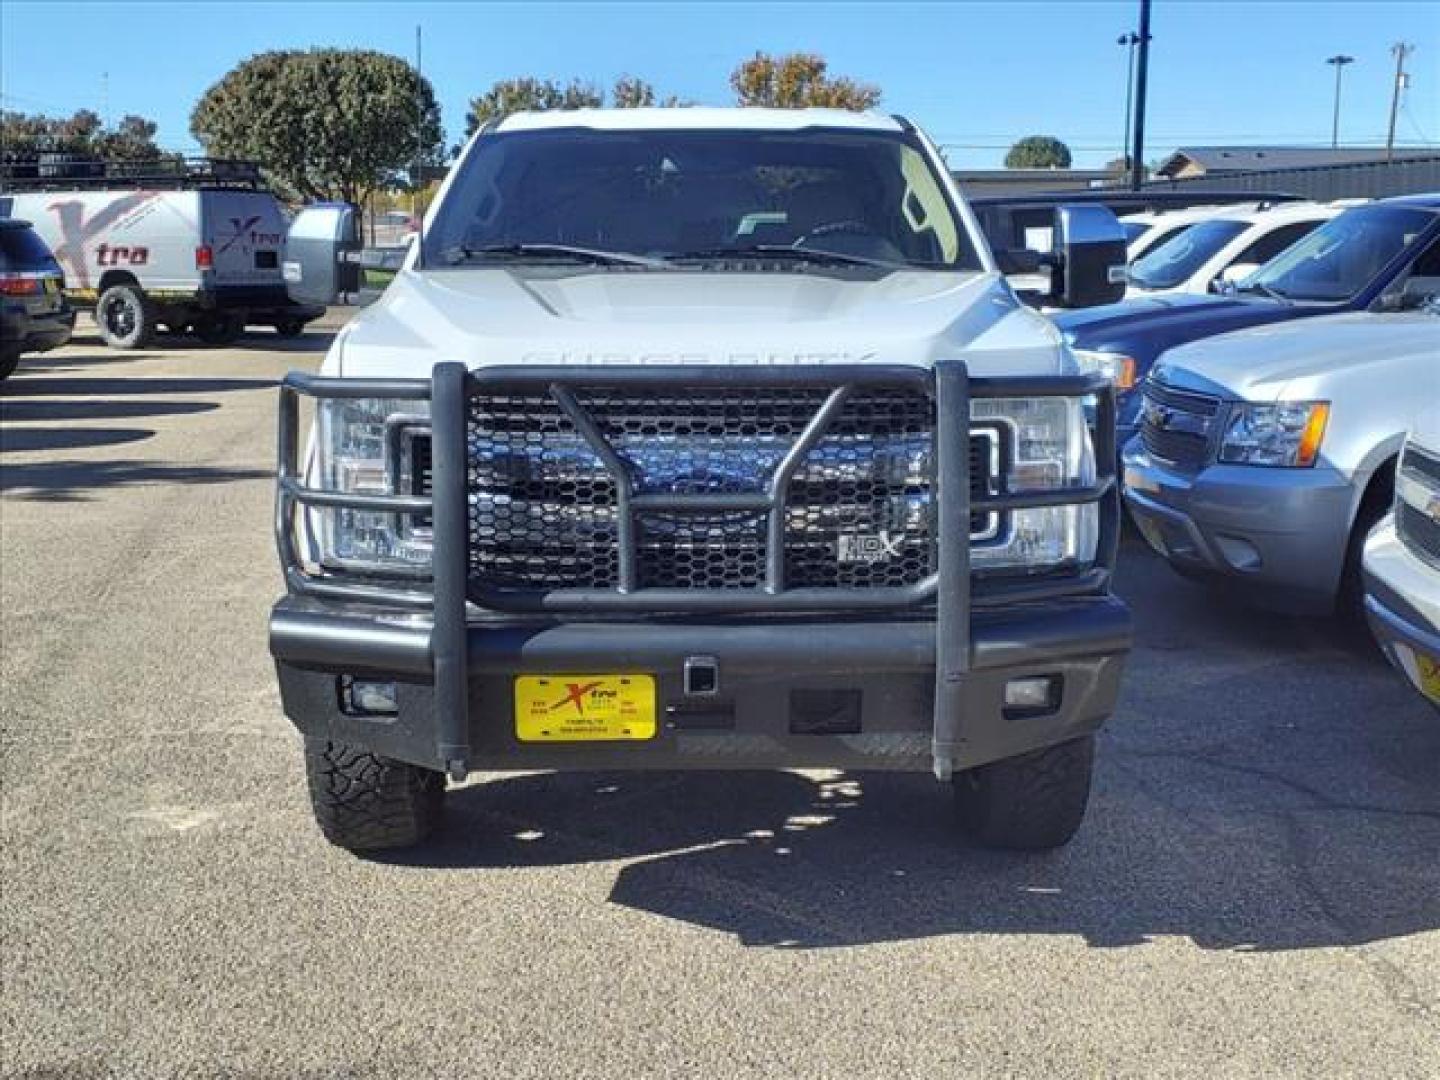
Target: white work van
(184, 246)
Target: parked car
(1402, 560)
(183, 245)
(634, 465)
(1265, 456)
(34, 315)
(1359, 260)
(1149, 228)
(1225, 247)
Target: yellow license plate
(1429, 671)
(584, 708)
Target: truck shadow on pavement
(1265, 785)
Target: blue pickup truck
(1354, 262)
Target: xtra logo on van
(245, 232)
(78, 232)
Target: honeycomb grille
(543, 510)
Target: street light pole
(1338, 61)
(1131, 40)
(1142, 73)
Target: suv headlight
(362, 446)
(1285, 434)
(1050, 448)
(1117, 367)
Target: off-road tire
(290, 328)
(126, 317)
(1032, 802)
(223, 329)
(365, 802)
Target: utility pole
(1142, 72)
(1400, 50)
(1131, 40)
(1338, 61)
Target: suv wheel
(220, 329)
(1031, 802)
(125, 317)
(365, 802)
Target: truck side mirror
(322, 255)
(1089, 257)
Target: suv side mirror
(1089, 257)
(322, 255)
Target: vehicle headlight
(1117, 367)
(1049, 448)
(1285, 434)
(364, 447)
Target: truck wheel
(125, 317)
(220, 329)
(1031, 802)
(290, 328)
(365, 802)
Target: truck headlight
(1049, 448)
(1117, 367)
(1285, 434)
(361, 448)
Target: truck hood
(512, 315)
(1293, 359)
(1177, 313)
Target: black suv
(34, 315)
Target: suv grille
(1175, 425)
(544, 512)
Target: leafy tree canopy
(1038, 152)
(543, 95)
(83, 134)
(325, 124)
(797, 81)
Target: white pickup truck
(1402, 560)
(700, 438)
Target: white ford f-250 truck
(700, 439)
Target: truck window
(1344, 255)
(1274, 242)
(671, 192)
(1173, 261)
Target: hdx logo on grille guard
(868, 547)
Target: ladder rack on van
(68, 172)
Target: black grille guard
(950, 588)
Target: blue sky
(975, 75)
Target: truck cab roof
(699, 119)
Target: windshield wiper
(462, 253)
(784, 251)
(1273, 294)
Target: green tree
(83, 134)
(796, 81)
(1038, 152)
(532, 95)
(324, 124)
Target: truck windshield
(1172, 262)
(858, 196)
(1341, 257)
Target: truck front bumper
(1402, 606)
(1277, 534)
(790, 692)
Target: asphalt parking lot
(1256, 890)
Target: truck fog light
(364, 697)
(1036, 696)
